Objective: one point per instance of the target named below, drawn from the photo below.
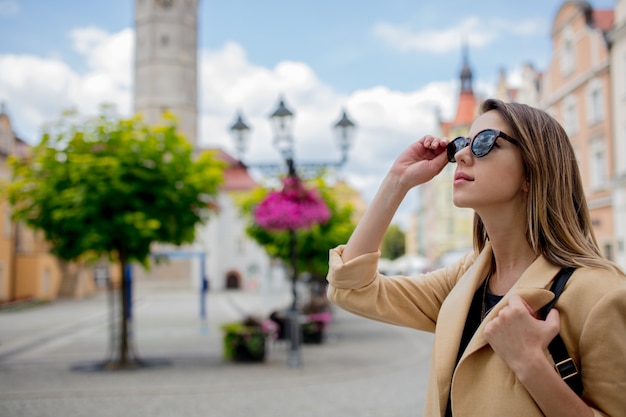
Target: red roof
(236, 177)
(466, 111)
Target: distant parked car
(405, 265)
(451, 257)
(386, 267)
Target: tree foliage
(106, 186)
(314, 243)
(393, 245)
(111, 186)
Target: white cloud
(9, 8)
(387, 121)
(405, 39)
(37, 90)
(471, 30)
(229, 83)
(107, 54)
(526, 28)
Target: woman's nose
(464, 155)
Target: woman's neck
(512, 255)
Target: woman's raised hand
(417, 164)
(421, 161)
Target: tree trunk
(125, 358)
(126, 317)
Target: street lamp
(282, 123)
(241, 132)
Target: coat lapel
(451, 321)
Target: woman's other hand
(518, 337)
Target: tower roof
(466, 72)
(466, 108)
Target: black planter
(242, 352)
(313, 333)
(245, 347)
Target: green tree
(104, 186)
(313, 244)
(393, 245)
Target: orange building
(576, 90)
(26, 269)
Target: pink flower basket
(294, 207)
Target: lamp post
(282, 123)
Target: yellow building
(27, 270)
(439, 226)
(346, 195)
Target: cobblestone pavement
(363, 369)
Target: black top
(474, 318)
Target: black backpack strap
(564, 364)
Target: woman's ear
(526, 186)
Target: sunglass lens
(482, 144)
(455, 146)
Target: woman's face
(495, 180)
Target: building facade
(527, 92)
(222, 252)
(617, 38)
(439, 225)
(27, 270)
(576, 90)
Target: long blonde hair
(558, 220)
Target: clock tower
(166, 63)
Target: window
(608, 251)
(5, 139)
(570, 116)
(7, 225)
(597, 165)
(624, 76)
(567, 53)
(620, 149)
(595, 98)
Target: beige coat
(593, 327)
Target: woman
(518, 171)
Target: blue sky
(336, 38)
(390, 63)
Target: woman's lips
(461, 177)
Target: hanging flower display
(294, 207)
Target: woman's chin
(461, 202)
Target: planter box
(313, 333)
(246, 342)
(314, 326)
(247, 348)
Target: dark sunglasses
(480, 146)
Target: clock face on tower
(164, 3)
